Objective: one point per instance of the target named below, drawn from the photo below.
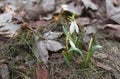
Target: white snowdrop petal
(76, 27)
(72, 27)
(72, 44)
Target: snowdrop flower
(73, 27)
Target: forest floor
(32, 47)
(21, 62)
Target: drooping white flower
(74, 27)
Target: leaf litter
(36, 13)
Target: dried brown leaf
(5, 17)
(112, 12)
(89, 4)
(117, 2)
(56, 55)
(83, 21)
(48, 5)
(100, 56)
(41, 52)
(11, 29)
(112, 30)
(42, 73)
(103, 66)
(52, 35)
(72, 8)
(53, 45)
(38, 24)
(90, 30)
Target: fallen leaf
(65, 1)
(5, 17)
(34, 8)
(97, 1)
(17, 8)
(53, 45)
(2, 61)
(101, 12)
(47, 17)
(72, 8)
(52, 35)
(10, 9)
(41, 52)
(112, 26)
(86, 39)
(112, 30)
(100, 56)
(56, 56)
(58, 9)
(38, 24)
(16, 4)
(117, 2)
(42, 47)
(103, 66)
(48, 5)
(112, 12)
(83, 21)
(9, 29)
(42, 73)
(89, 30)
(89, 4)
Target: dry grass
(19, 55)
(22, 62)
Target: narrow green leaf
(78, 51)
(66, 33)
(66, 60)
(95, 48)
(64, 30)
(91, 51)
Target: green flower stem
(67, 41)
(73, 16)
